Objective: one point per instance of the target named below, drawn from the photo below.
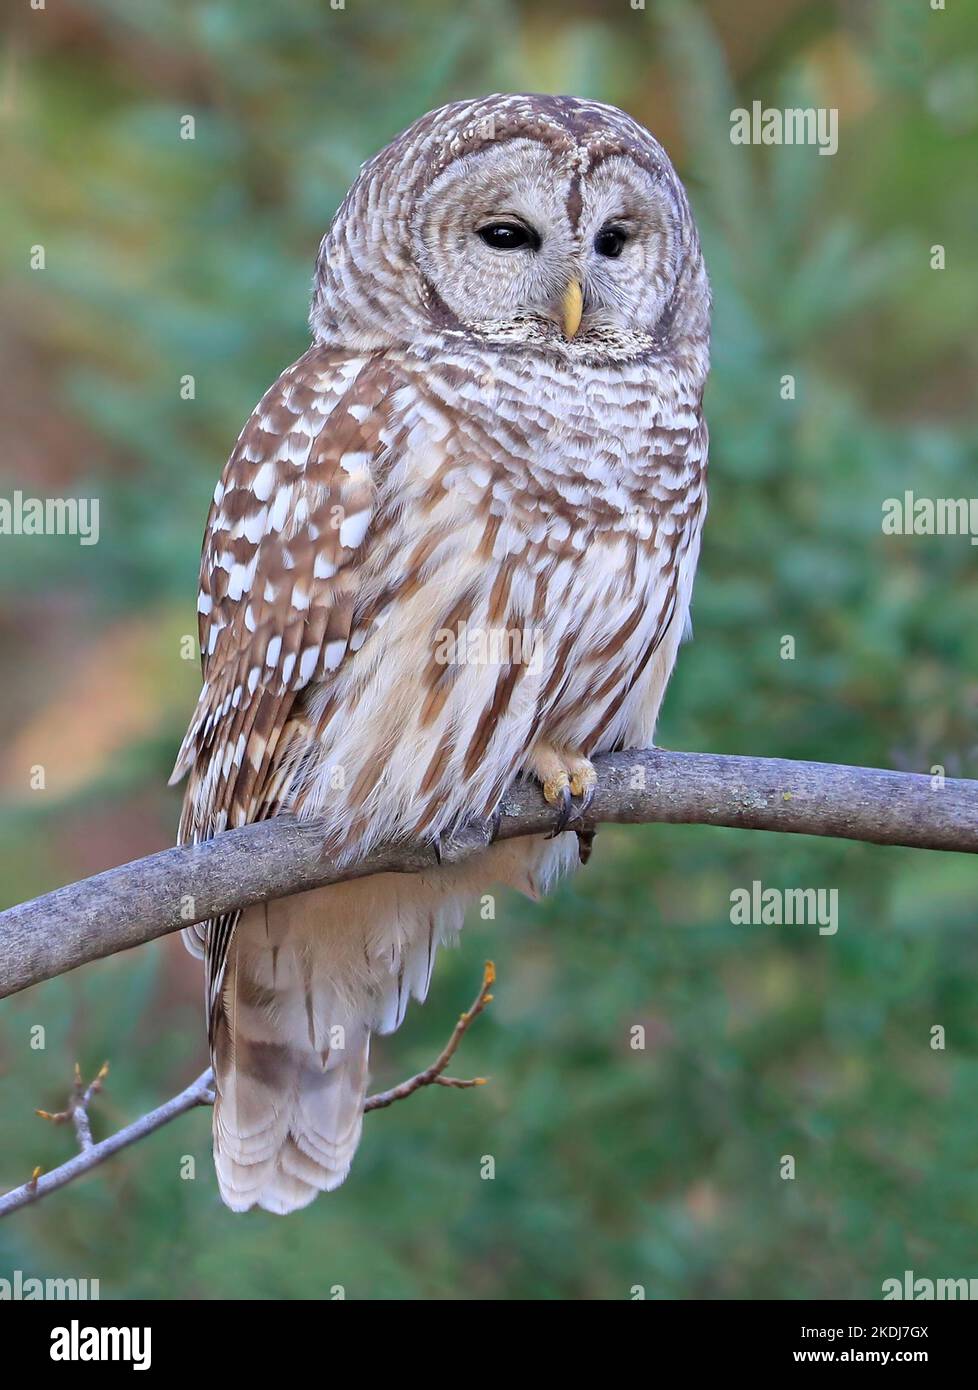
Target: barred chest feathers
(533, 546)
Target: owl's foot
(459, 843)
(568, 779)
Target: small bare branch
(77, 1108)
(432, 1076)
(201, 1092)
(41, 1183)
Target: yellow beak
(572, 307)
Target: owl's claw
(478, 833)
(565, 811)
(569, 780)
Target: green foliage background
(614, 1167)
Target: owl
(453, 546)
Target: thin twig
(40, 1184)
(432, 1076)
(77, 1108)
(201, 1092)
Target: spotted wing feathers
(286, 532)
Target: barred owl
(497, 431)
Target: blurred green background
(614, 1167)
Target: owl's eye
(610, 241)
(509, 236)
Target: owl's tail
(290, 1067)
(308, 979)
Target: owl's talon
(480, 831)
(576, 819)
(556, 790)
(583, 779)
(567, 778)
(564, 811)
(586, 798)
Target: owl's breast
(525, 567)
(560, 452)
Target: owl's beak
(571, 308)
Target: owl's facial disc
(514, 233)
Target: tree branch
(433, 1075)
(200, 1092)
(77, 1108)
(138, 902)
(197, 1093)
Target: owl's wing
(286, 535)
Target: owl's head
(551, 222)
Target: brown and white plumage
(454, 458)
